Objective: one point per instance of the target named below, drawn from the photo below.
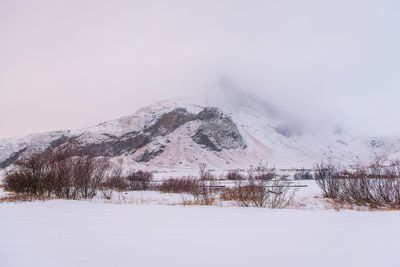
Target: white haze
(72, 64)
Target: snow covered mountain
(227, 132)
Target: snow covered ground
(154, 229)
(86, 233)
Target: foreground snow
(82, 233)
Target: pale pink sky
(75, 63)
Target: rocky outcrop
(169, 122)
(130, 142)
(116, 146)
(14, 156)
(217, 131)
(150, 153)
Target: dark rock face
(150, 154)
(217, 131)
(130, 142)
(113, 147)
(14, 157)
(58, 142)
(169, 122)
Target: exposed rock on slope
(233, 133)
(13, 157)
(217, 131)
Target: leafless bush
(303, 175)
(261, 190)
(115, 182)
(394, 169)
(17, 182)
(204, 192)
(265, 193)
(377, 168)
(234, 175)
(118, 180)
(229, 194)
(139, 180)
(377, 185)
(30, 176)
(327, 178)
(205, 173)
(374, 192)
(261, 172)
(88, 175)
(178, 185)
(107, 188)
(283, 177)
(260, 193)
(57, 173)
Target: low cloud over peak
(71, 64)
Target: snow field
(83, 233)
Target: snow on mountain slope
(11, 148)
(233, 131)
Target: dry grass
(200, 202)
(15, 198)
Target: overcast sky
(72, 64)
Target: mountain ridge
(230, 133)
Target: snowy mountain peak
(231, 131)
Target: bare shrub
(88, 175)
(229, 194)
(205, 173)
(265, 194)
(326, 177)
(115, 182)
(262, 189)
(75, 175)
(178, 185)
(374, 192)
(394, 169)
(261, 172)
(377, 168)
(303, 175)
(57, 173)
(262, 192)
(107, 188)
(375, 186)
(139, 180)
(18, 182)
(119, 182)
(204, 192)
(29, 176)
(234, 175)
(283, 177)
